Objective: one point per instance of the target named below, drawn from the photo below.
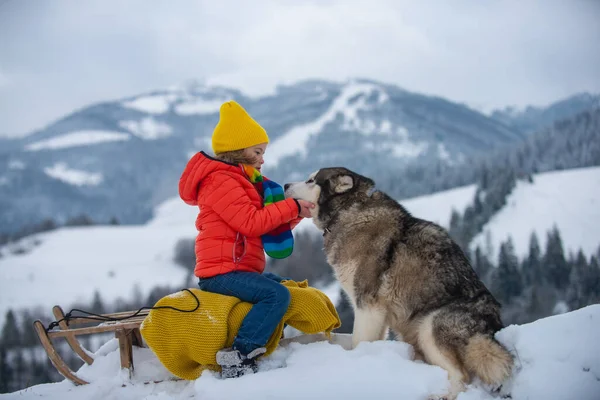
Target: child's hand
(305, 207)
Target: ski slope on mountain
(569, 200)
(557, 358)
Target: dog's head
(327, 188)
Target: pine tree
(29, 337)
(39, 373)
(11, 336)
(530, 268)
(481, 265)
(576, 294)
(6, 372)
(507, 284)
(20, 369)
(97, 304)
(591, 286)
(556, 268)
(455, 229)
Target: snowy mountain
(122, 158)
(556, 359)
(531, 119)
(69, 264)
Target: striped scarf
(279, 243)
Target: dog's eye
(310, 181)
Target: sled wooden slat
(125, 348)
(54, 357)
(96, 329)
(73, 342)
(127, 332)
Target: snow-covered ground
(558, 358)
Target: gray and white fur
(406, 274)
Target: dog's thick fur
(406, 274)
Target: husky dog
(406, 274)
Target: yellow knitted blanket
(187, 343)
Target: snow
(75, 177)
(557, 358)
(147, 128)
(199, 106)
(386, 126)
(438, 207)
(404, 147)
(69, 264)
(443, 153)
(567, 199)
(78, 138)
(16, 165)
(295, 140)
(153, 104)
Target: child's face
(256, 153)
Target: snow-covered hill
(69, 264)
(557, 358)
(569, 200)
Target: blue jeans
(270, 301)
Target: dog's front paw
(452, 394)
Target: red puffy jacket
(232, 216)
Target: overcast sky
(59, 55)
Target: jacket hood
(197, 169)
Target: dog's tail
(488, 359)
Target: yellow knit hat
(236, 129)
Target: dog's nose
(286, 186)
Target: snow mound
(557, 358)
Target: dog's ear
(342, 183)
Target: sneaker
(234, 364)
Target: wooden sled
(128, 334)
(126, 331)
